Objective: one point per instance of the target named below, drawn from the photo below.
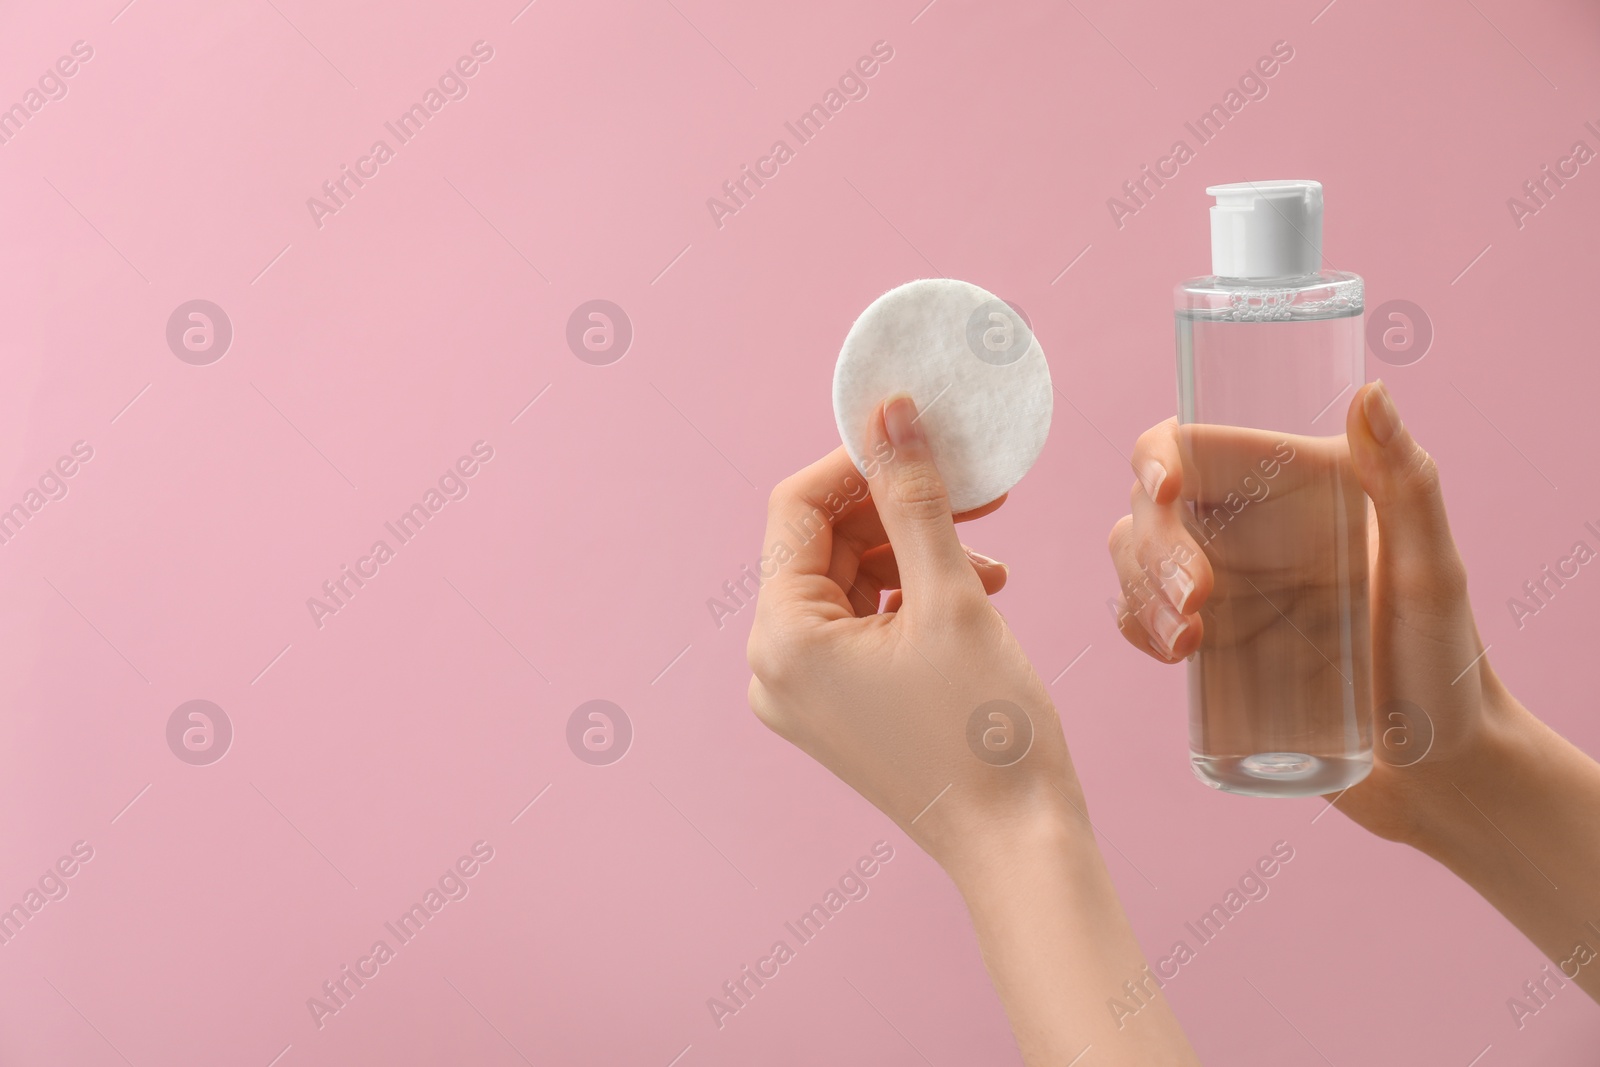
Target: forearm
(1059, 948)
(1518, 822)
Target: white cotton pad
(972, 366)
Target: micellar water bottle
(1269, 352)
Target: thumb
(1402, 481)
(915, 507)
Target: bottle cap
(1266, 229)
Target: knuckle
(919, 493)
(1152, 558)
(1421, 475)
(1120, 532)
(760, 703)
(1134, 626)
(756, 654)
(767, 710)
(780, 495)
(767, 658)
(1138, 589)
(1154, 441)
(1436, 572)
(777, 659)
(1129, 626)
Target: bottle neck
(1285, 281)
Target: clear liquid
(1280, 688)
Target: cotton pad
(972, 366)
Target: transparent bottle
(1269, 355)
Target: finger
(1168, 553)
(880, 569)
(1402, 480)
(1135, 632)
(859, 530)
(861, 526)
(977, 513)
(1158, 463)
(799, 546)
(1136, 628)
(915, 508)
(1144, 615)
(864, 592)
(991, 572)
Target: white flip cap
(1266, 229)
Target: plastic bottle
(1269, 355)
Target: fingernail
(901, 423)
(1177, 587)
(1151, 475)
(984, 561)
(1382, 419)
(1169, 626)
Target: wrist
(1055, 938)
(1502, 750)
(995, 847)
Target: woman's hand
(1462, 771)
(1433, 693)
(928, 708)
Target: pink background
(373, 351)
